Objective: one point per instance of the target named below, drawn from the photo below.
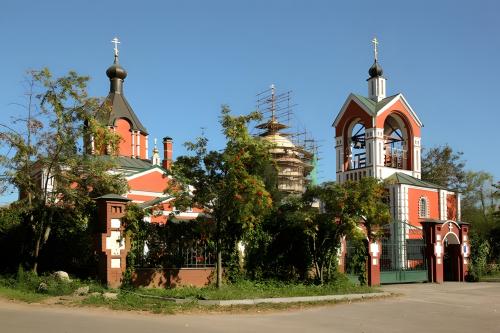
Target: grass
(252, 289)
(162, 300)
(492, 277)
(21, 295)
(24, 287)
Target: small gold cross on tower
(375, 44)
(116, 42)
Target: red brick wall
(123, 129)
(398, 107)
(152, 182)
(413, 199)
(451, 206)
(142, 150)
(169, 278)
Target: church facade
(380, 136)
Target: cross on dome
(375, 44)
(116, 42)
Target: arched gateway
(447, 250)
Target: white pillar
(378, 152)
(376, 88)
(133, 143)
(138, 149)
(417, 158)
(442, 205)
(339, 156)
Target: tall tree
(228, 184)
(45, 158)
(344, 207)
(445, 167)
(479, 200)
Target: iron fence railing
(407, 255)
(180, 254)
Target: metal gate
(403, 254)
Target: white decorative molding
(115, 223)
(405, 103)
(116, 263)
(138, 133)
(154, 168)
(115, 243)
(438, 249)
(148, 193)
(351, 98)
(133, 143)
(442, 205)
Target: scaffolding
(295, 154)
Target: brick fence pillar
(374, 249)
(111, 245)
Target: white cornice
(354, 99)
(146, 172)
(407, 106)
(147, 193)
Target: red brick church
(146, 174)
(380, 136)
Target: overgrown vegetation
(228, 184)
(30, 287)
(44, 158)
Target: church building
(146, 174)
(380, 136)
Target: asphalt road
(450, 307)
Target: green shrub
(480, 250)
(30, 282)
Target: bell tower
(376, 136)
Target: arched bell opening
(356, 145)
(396, 143)
(451, 258)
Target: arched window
(423, 207)
(356, 151)
(396, 139)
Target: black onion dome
(116, 71)
(375, 70)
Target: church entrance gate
(403, 258)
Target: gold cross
(375, 44)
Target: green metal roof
(129, 163)
(112, 196)
(155, 201)
(402, 178)
(373, 106)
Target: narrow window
(423, 207)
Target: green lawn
(494, 277)
(21, 295)
(252, 289)
(25, 287)
(163, 300)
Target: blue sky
(186, 58)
